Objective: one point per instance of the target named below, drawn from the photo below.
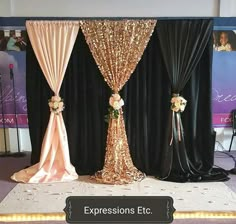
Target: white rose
(116, 105)
(184, 101)
(121, 102)
(182, 107)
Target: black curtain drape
(146, 111)
(182, 44)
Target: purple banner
(7, 97)
(224, 76)
(13, 105)
(10, 120)
(223, 88)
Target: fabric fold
(52, 42)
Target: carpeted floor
(10, 165)
(223, 160)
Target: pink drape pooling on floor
(52, 42)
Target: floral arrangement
(56, 104)
(178, 103)
(115, 102)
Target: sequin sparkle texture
(117, 47)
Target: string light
(62, 216)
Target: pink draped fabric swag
(52, 42)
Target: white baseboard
(223, 135)
(11, 140)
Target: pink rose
(56, 98)
(50, 104)
(173, 99)
(61, 105)
(111, 101)
(116, 96)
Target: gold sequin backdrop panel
(117, 47)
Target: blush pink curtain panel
(52, 42)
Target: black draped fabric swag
(147, 106)
(185, 44)
(182, 45)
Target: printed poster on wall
(13, 56)
(224, 76)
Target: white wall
(5, 8)
(110, 8)
(224, 136)
(11, 140)
(227, 8)
(114, 8)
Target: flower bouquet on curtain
(115, 102)
(56, 104)
(178, 104)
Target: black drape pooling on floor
(183, 43)
(147, 105)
